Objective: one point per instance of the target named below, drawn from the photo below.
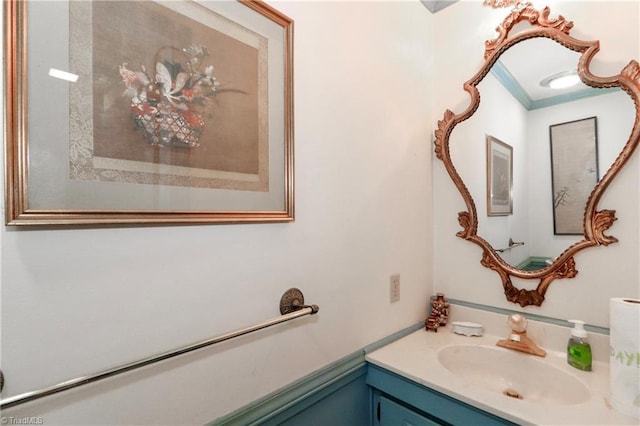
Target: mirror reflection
(518, 110)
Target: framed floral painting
(148, 112)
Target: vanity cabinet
(397, 400)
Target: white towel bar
(291, 306)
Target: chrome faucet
(518, 339)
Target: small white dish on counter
(467, 328)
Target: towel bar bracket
(293, 300)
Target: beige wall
(77, 301)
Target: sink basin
(514, 374)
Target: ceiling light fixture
(561, 80)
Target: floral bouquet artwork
(169, 109)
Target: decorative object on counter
(522, 31)
(624, 361)
(439, 313)
(467, 328)
(518, 339)
(578, 348)
(432, 323)
(441, 305)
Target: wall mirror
(565, 147)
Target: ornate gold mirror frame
(596, 222)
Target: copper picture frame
(499, 177)
(128, 112)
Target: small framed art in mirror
(499, 177)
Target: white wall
(604, 272)
(75, 301)
(468, 153)
(615, 114)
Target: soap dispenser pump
(578, 348)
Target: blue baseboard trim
(285, 403)
(298, 395)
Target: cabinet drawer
(391, 413)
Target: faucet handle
(518, 339)
(517, 322)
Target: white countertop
(415, 357)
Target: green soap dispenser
(578, 348)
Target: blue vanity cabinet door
(427, 403)
(394, 414)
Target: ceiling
(522, 67)
(436, 6)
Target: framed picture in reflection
(499, 177)
(574, 172)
